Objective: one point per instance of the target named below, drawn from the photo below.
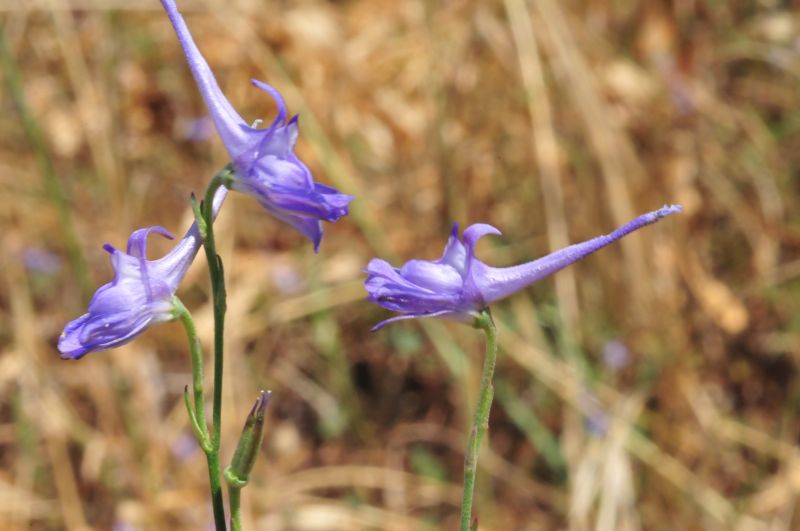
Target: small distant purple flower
(595, 419)
(41, 261)
(140, 295)
(266, 166)
(458, 285)
(615, 354)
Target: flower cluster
(142, 291)
(263, 165)
(456, 286)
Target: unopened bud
(238, 473)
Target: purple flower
(140, 295)
(458, 285)
(41, 261)
(266, 166)
(616, 354)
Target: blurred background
(651, 386)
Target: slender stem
(481, 421)
(206, 224)
(234, 495)
(197, 413)
(197, 366)
(218, 293)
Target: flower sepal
(483, 319)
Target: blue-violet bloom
(141, 294)
(458, 285)
(264, 159)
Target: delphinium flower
(461, 287)
(264, 159)
(140, 295)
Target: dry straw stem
(315, 512)
(548, 153)
(561, 380)
(549, 161)
(92, 102)
(396, 493)
(616, 156)
(604, 476)
(27, 345)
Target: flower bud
(238, 473)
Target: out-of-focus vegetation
(651, 386)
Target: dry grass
(554, 121)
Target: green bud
(238, 473)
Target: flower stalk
(480, 421)
(197, 414)
(197, 410)
(204, 214)
(235, 499)
(218, 293)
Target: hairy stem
(234, 495)
(480, 422)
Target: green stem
(481, 421)
(216, 490)
(197, 369)
(206, 226)
(218, 292)
(234, 495)
(198, 416)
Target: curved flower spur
(141, 294)
(264, 159)
(459, 286)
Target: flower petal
(475, 232)
(311, 228)
(455, 254)
(390, 288)
(280, 117)
(69, 344)
(137, 242)
(436, 277)
(408, 316)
